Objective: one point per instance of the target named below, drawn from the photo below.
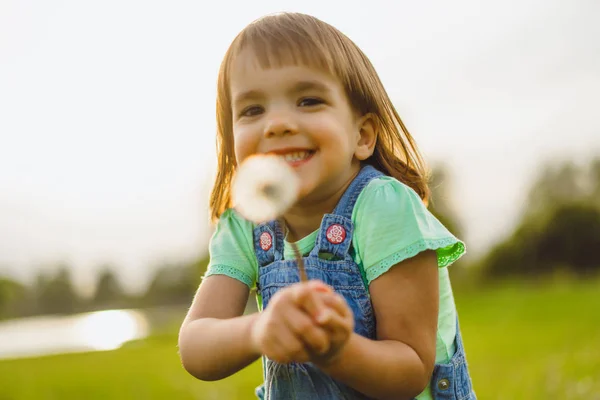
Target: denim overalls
(331, 261)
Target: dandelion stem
(300, 262)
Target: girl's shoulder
(231, 249)
(232, 223)
(388, 193)
(232, 228)
(391, 223)
(232, 218)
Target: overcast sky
(107, 114)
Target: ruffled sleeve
(231, 249)
(392, 224)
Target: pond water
(102, 330)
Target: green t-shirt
(391, 224)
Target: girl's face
(301, 114)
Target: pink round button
(336, 234)
(266, 241)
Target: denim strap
(335, 234)
(268, 243)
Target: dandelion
(264, 188)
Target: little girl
(377, 317)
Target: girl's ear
(367, 136)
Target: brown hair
(293, 38)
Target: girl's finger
(285, 347)
(302, 325)
(337, 302)
(320, 286)
(300, 290)
(308, 297)
(337, 324)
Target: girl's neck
(304, 218)
(301, 222)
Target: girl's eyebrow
(298, 87)
(247, 95)
(309, 85)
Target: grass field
(522, 342)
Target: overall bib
(331, 261)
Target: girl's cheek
(245, 143)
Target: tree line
(54, 292)
(558, 231)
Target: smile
(297, 156)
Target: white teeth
(296, 156)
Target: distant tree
(561, 184)
(594, 181)
(560, 228)
(567, 240)
(556, 184)
(109, 292)
(571, 238)
(175, 284)
(440, 205)
(11, 293)
(55, 293)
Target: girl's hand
(331, 312)
(285, 332)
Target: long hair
(299, 39)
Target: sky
(107, 126)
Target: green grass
(148, 369)
(522, 342)
(533, 342)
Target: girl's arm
(214, 339)
(400, 362)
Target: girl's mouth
(297, 158)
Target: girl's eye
(251, 111)
(310, 101)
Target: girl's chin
(303, 193)
(307, 194)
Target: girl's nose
(280, 124)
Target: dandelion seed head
(264, 188)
